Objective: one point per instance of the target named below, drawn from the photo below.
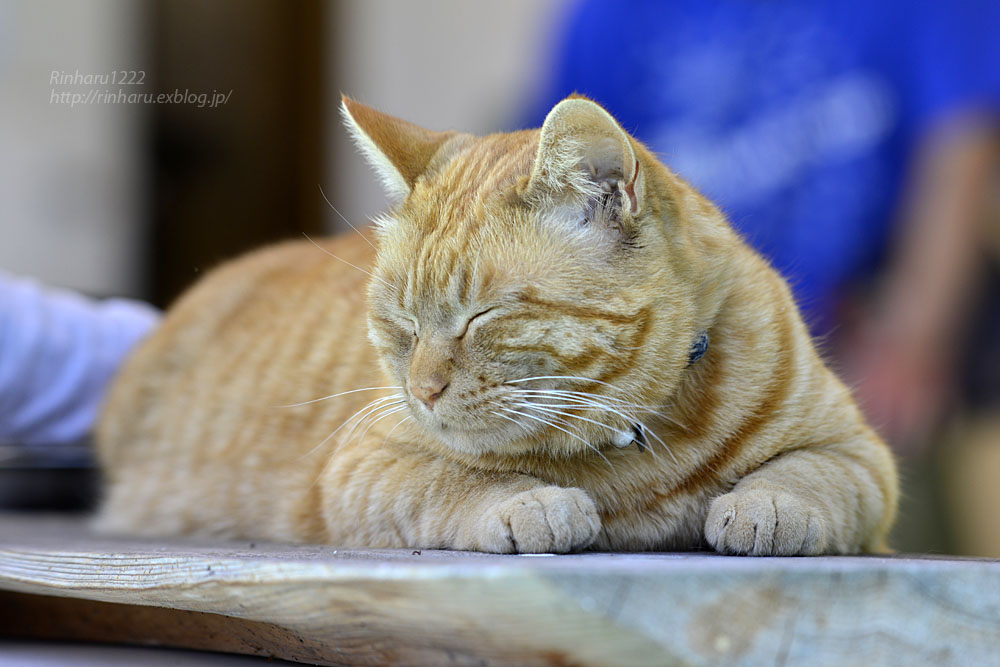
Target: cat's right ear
(582, 153)
(399, 151)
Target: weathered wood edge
(374, 607)
(46, 618)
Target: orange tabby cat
(551, 343)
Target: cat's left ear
(583, 152)
(398, 150)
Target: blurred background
(857, 146)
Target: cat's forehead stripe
(486, 166)
(452, 212)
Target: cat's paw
(765, 522)
(550, 519)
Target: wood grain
(333, 606)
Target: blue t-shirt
(798, 118)
(58, 353)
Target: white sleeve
(58, 352)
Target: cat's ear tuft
(584, 153)
(398, 150)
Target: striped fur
(567, 254)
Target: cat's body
(570, 256)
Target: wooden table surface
(347, 606)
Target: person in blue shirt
(817, 127)
(58, 352)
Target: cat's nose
(428, 391)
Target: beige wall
(71, 179)
(444, 64)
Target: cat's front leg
(813, 500)
(391, 496)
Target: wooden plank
(336, 606)
(24, 615)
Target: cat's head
(532, 290)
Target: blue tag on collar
(698, 348)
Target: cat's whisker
(648, 431)
(338, 257)
(374, 405)
(383, 405)
(382, 415)
(511, 419)
(377, 404)
(568, 396)
(568, 405)
(589, 395)
(331, 458)
(548, 410)
(551, 423)
(590, 402)
(599, 399)
(398, 424)
(594, 404)
(334, 209)
(560, 377)
(337, 395)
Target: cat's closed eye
(402, 331)
(475, 319)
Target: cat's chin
(468, 442)
(478, 441)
